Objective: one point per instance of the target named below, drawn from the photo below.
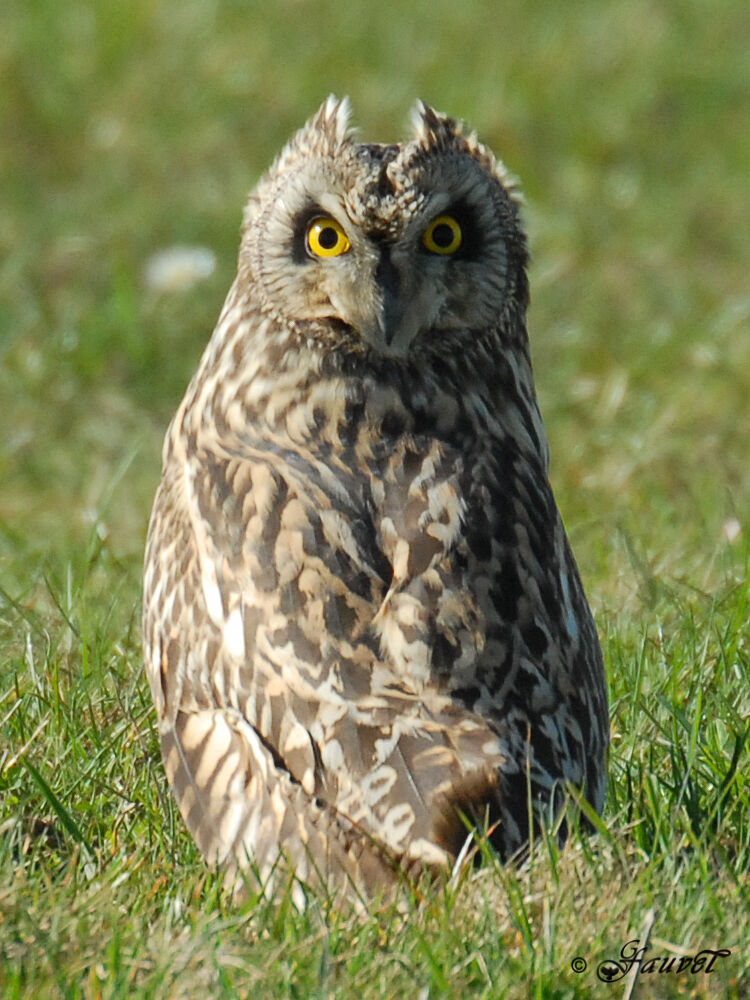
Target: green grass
(128, 127)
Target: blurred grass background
(128, 127)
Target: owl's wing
(281, 723)
(486, 603)
(242, 801)
(541, 678)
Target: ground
(131, 128)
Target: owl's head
(401, 249)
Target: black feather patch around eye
(302, 220)
(472, 241)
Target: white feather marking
(199, 728)
(571, 620)
(229, 780)
(333, 755)
(211, 592)
(572, 624)
(229, 826)
(378, 783)
(298, 739)
(427, 852)
(217, 743)
(234, 635)
(398, 822)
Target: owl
(364, 629)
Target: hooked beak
(392, 322)
(384, 306)
(388, 284)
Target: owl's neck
(291, 386)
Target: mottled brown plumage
(363, 621)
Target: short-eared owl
(363, 624)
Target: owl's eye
(326, 238)
(443, 235)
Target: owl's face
(397, 248)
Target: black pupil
(442, 235)
(328, 237)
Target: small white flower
(731, 530)
(177, 268)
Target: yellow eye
(326, 238)
(443, 235)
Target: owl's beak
(390, 311)
(379, 305)
(390, 318)
(388, 289)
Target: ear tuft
(331, 120)
(326, 133)
(436, 132)
(433, 129)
